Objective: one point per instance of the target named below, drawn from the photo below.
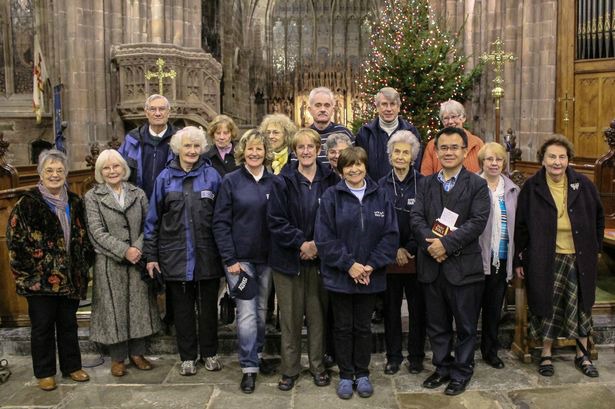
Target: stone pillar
(157, 21)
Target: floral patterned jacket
(37, 251)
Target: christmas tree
(411, 53)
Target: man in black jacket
(451, 211)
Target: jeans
(54, 320)
(352, 331)
(252, 316)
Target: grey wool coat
(123, 307)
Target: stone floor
(516, 386)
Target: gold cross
(497, 58)
(160, 74)
(565, 100)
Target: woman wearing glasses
(400, 187)
(497, 246)
(452, 114)
(279, 129)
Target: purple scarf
(60, 204)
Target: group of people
(333, 221)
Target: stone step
(16, 341)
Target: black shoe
(495, 362)
(322, 379)
(266, 366)
(247, 382)
(415, 367)
(391, 368)
(455, 387)
(328, 361)
(435, 380)
(286, 382)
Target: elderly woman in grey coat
(124, 311)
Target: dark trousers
(195, 314)
(352, 331)
(54, 319)
(493, 297)
(445, 302)
(329, 341)
(397, 284)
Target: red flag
(39, 77)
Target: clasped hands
(436, 250)
(360, 273)
(308, 250)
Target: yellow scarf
(279, 160)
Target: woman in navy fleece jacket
(242, 236)
(357, 237)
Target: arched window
(16, 47)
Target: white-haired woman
(124, 309)
(179, 242)
(400, 186)
(452, 113)
(336, 143)
(50, 255)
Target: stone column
(157, 21)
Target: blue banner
(57, 117)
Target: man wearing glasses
(146, 148)
(453, 114)
(450, 212)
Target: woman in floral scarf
(50, 256)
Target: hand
(35, 287)
(308, 250)
(403, 257)
(436, 249)
(520, 273)
(133, 255)
(151, 266)
(356, 271)
(234, 269)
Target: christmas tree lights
(410, 53)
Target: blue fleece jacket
(349, 231)
(240, 219)
(291, 222)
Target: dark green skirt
(568, 319)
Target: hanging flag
(39, 74)
(57, 117)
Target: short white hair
(404, 136)
(103, 158)
(193, 133)
(51, 155)
(320, 90)
(154, 97)
(389, 93)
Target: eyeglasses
(452, 148)
(50, 171)
(497, 160)
(450, 118)
(273, 132)
(162, 110)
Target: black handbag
(227, 309)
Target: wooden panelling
(14, 308)
(596, 91)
